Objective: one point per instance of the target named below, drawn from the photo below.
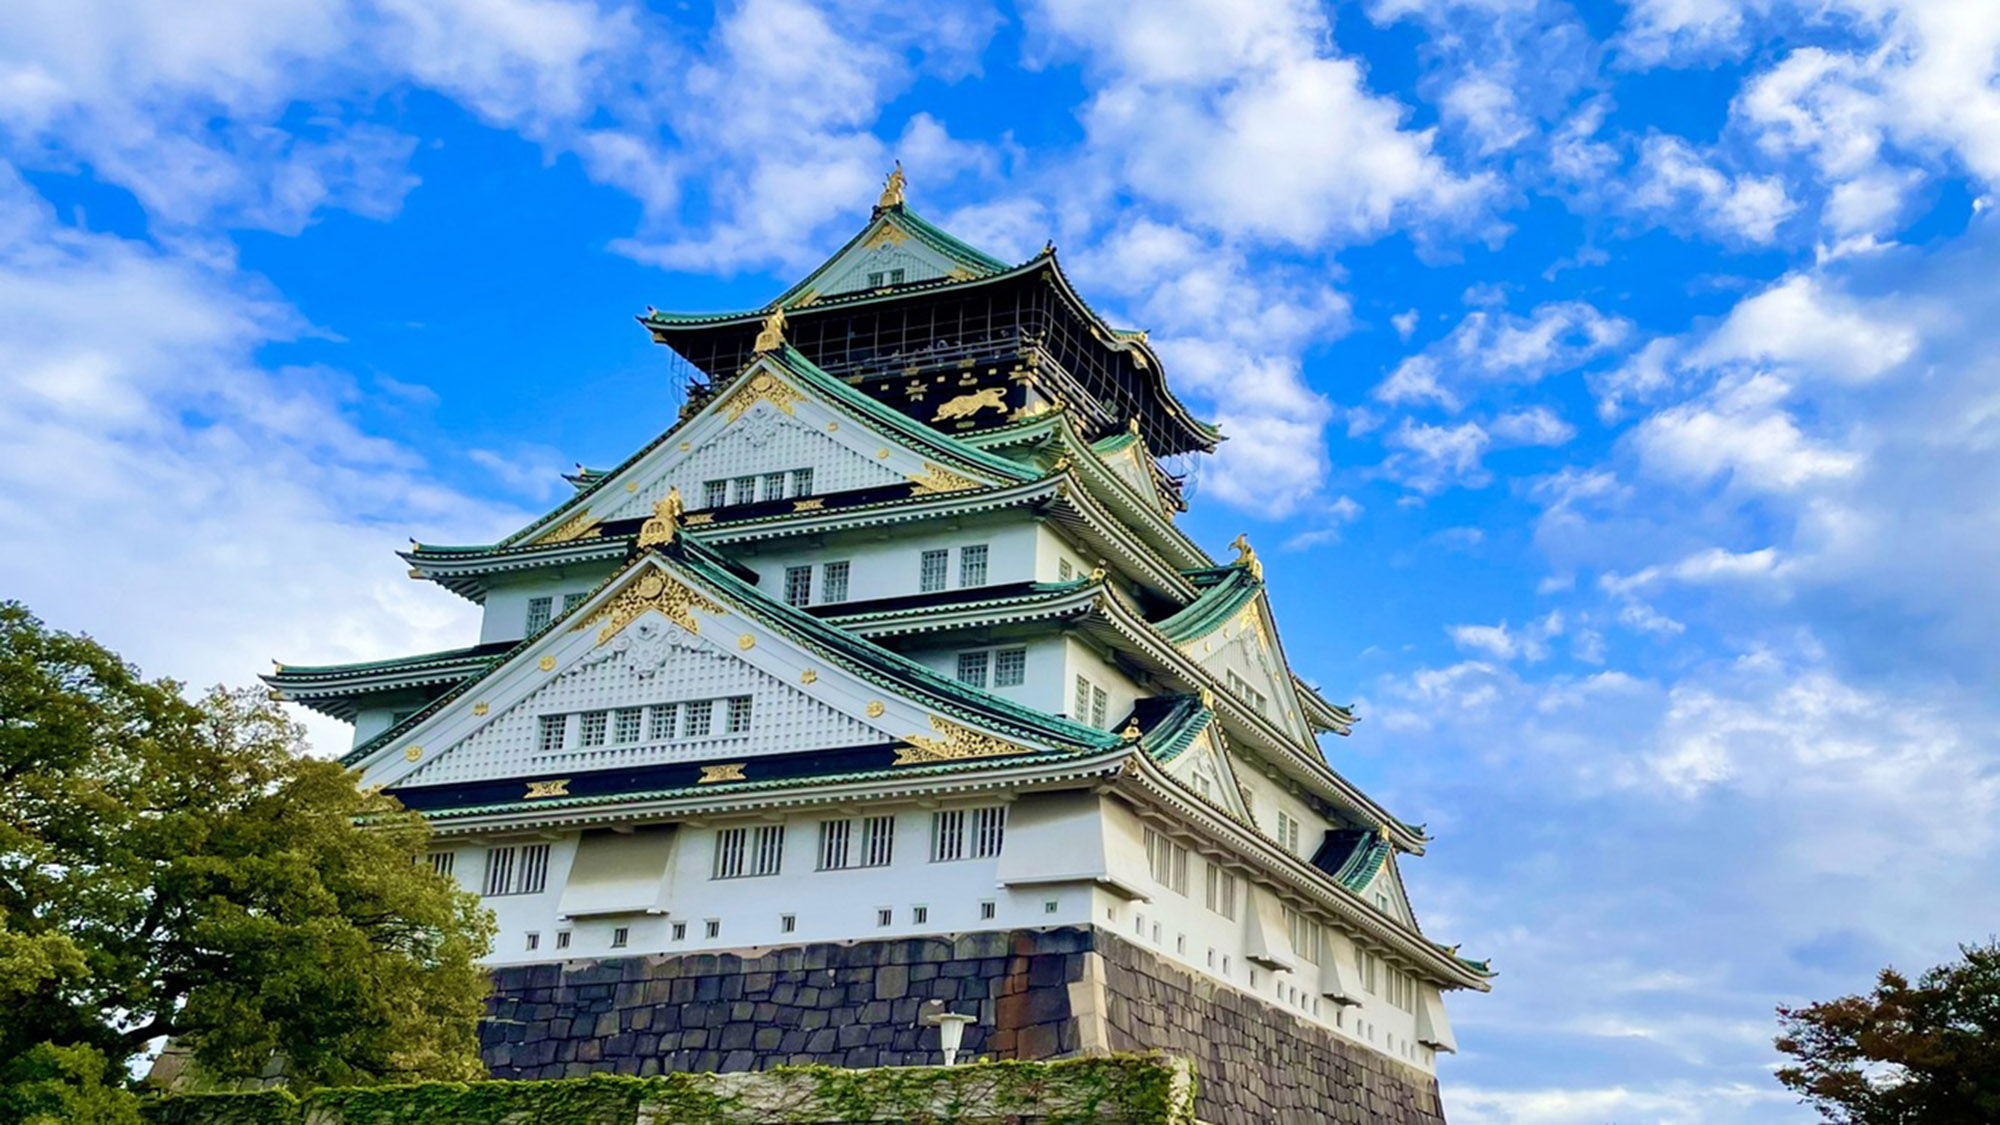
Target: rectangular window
(1010, 667)
(798, 585)
(920, 915)
(1221, 894)
(1288, 832)
(620, 936)
(1064, 571)
(875, 279)
(885, 917)
(539, 614)
(802, 482)
(660, 722)
(972, 565)
(834, 837)
(743, 490)
(988, 909)
(1303, 933)
(680, 931)
(739, 714)
(441, 862)
(1168, 860)
(627, 730)
(833, 583)
(550, 738)
(989, 825)
(878, 841)
(767, 849)
(591, 729)
(700, 714)
(774, 486)
(972, 668)
(947, 835)
(712, 928)
(931, 578)
(1098, 704)
(714, 493)
(1082, 700)
(534, 941)
(788, 923)
(517, 870)
(562, 939)
(730, 846)
(572, 600)
(897, 275)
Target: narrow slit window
(621, 936)
(712, 928)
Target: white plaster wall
(842, 905)
(506, 609)
(1080, 659)
(885, 565)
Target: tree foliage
(176, 867)
(1905, 1053)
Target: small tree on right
(1905, 1054)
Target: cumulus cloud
(1495, 347)
(1674, 179)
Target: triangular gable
(895, 248)
(1386, 893)
(665, 631)
(1241, 652)
(1128, 457)
(782, 415)
(1205, 768)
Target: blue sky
(1611, 389)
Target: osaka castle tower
(883, 684)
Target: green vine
(1129, 1089)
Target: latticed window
(989, 826)
(1168, 860)
(1221, 891)
(833, 583)
(739, 714)
(592, 727)
(1064, 571)
(1082, 714)
(539, 612)
(572, 600)
(834, 838)
(932, 575)
(660, 722)
(700, 716)
(743, 490)
(1010, 667)
(627, 731)
(972, 668)
(1099, 702)
(1303, 933)
(518, 870)
(714, 493)
(947, 835)
(774, 486)
(1288, 832)
(798, 585)
(549, 738)
(972, 565)
(802, 482)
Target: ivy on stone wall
(1129, 1089)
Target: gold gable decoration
(953, 742)
(937, 478)
(582, 525)
(892, 189)
(762, 387)
(666, 520)
(772, 336)
(654, 591)
(1246, 555)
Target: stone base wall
(1038, 994)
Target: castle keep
(884, 676)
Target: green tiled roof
(421, 662)
(1365, 862)
(1215, 604)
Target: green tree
(176, 867)
(1905, 1054)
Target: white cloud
(1800, 323)
(1240, 119)
(1430, 458)
(1740, 430)
(1490, 346)
(1537, 425)
(1680, 31)
(1499, 642)
(1672, 178)
(1405, 323)
(191, 510)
